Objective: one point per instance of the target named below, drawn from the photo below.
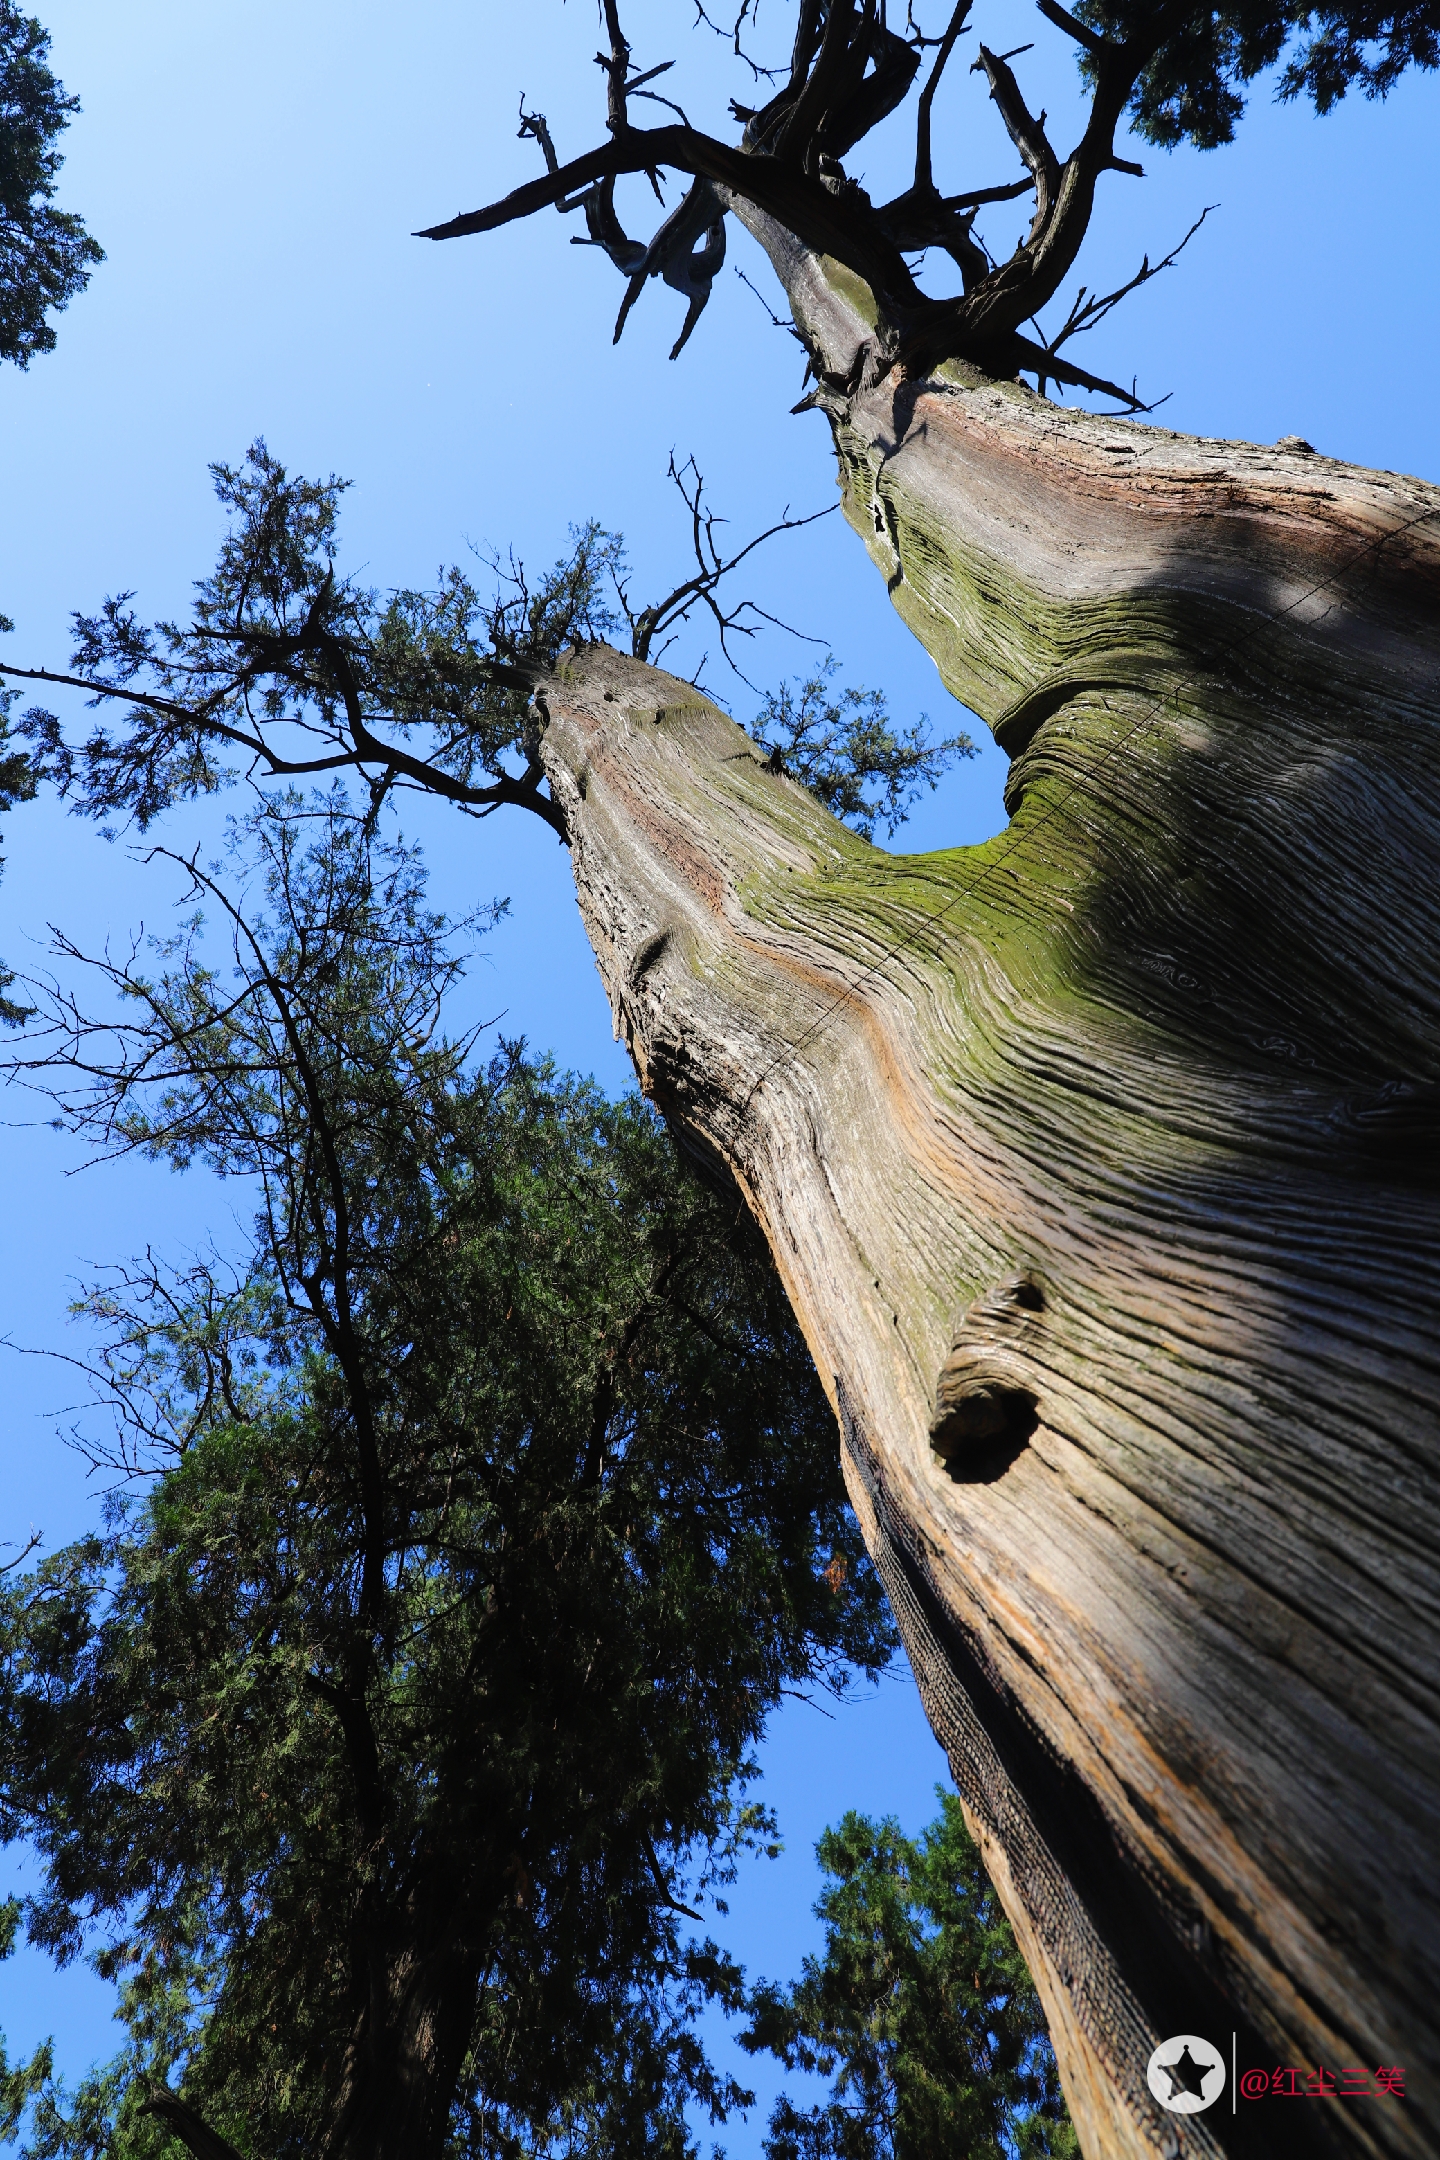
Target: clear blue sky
(254, 173)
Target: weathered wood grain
(1102, 1164)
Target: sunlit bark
(1101, 1164)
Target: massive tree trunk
(417, 1977)
(1100, 1164)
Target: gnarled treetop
(1175, 68)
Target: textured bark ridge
(1101, 1165)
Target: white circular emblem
(1186, 2073)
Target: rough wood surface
(1101, 1165)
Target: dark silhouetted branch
(847, 72)
(192, 2130)
(1026, 132)
(1089, 309)
(924, 177)
(712, 567)
(1091, 40)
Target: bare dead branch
(1025, 131)
(847, 71)
(795, 199)
(661, 618)
(924, 178)
(1030, 358)
(617, 68)
(757, 69)
(1088, 310)
(778, 322)
(674, 256)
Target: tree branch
(801, 204)
(617, 69)
(367, 748)
(1091, 40)
(1026, 132)
(192, 2130)
(847, 70)
(672, 255)
(711, 569)
(667, 1896)
(924, 177)
(1026, 355)
(1089, 310)
(362, 1752)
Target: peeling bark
(1101, 1165)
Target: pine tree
(919, 2010)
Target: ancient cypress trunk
(416, 1989)
(1100, 1162)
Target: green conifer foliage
(919, 2010)
(467, 1527)
(45, 254)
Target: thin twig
(712, 567)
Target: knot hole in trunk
(985, 1403)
